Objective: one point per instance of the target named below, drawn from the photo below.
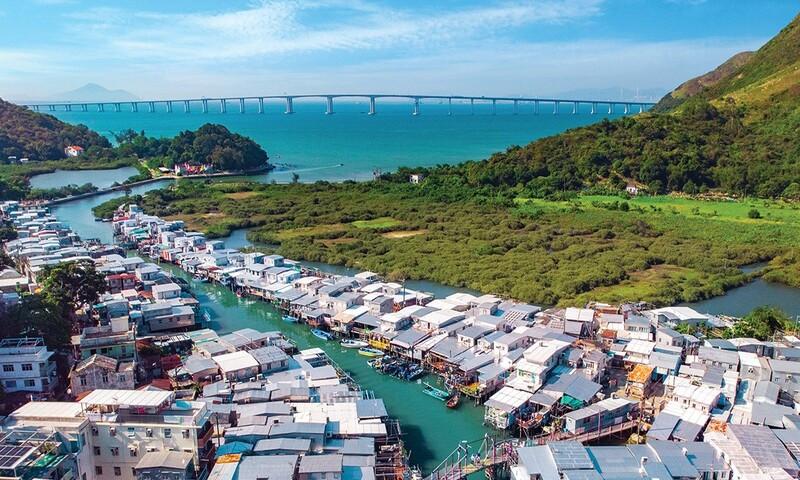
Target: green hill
(733, 129)
(27, 134)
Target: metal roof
(133, 398)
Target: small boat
(414, 373)
(289, 319)
(434, 392)
(370, 352)
(350, 343)
(322, 334)
(453, 401)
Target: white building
(27, 366)
(116, 428)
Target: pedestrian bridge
(257, 104)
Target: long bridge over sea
(261, 103)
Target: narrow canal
(431, 430)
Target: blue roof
(233, 447)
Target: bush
(754, 213)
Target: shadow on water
(415, 441)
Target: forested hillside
(734, 131)
(27, 134)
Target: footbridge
(261, 103)
(487, 454)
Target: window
(112, 431)
(133, 451)
(94, 431)
(97, 450)
(41, 366)
(11, 383)
(131, 432)
(98, 470)
(105, 378)
(121, 378)
(8, 367)
(83, 380)
(167, 433)
(149, 432)
(30, 383)
(115, 451)
(27, 367)
(186, 434)
(117, 471)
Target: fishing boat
(453, 401)
(370, 352)
(289, 319)
(322, 334)
(434, 392)
(414, 373)
(350, 343)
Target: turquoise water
(350, 144)
(98, 178)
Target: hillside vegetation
(734, 130)
(27, 134)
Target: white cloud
(279, 28)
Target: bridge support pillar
(610, 108)
(169, 106)
(450, 106)
(35, 108)
(371, 106)
(416, 106)
(67, 108)
(134, 107)
(52, 108)
(536, 107)
(494, 106)
(261, 105)
(84, 108)
(516, 107)
(186, 107)
(117, 107)
(472, 106)
(151, 107)
(627, 109)
(556, 106)
(594, 108)
(329, 105)
(223, 105)
(289, 106)
(641, 108)
(241, 105)
(205, 106)
(574, 108)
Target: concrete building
(101, 372)
(27, 366)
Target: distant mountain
(94, 92)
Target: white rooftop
(132, 398)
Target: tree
(35, 316)
(295, 177)
(761, 323)
(754, 214)
(72, 285)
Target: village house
(725, 359)
(101, 372)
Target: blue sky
(178, 48)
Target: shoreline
(125, 186)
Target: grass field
(733, 210)
(382, 222)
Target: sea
(350, 144)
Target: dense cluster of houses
(557, 376)
(230, 406)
